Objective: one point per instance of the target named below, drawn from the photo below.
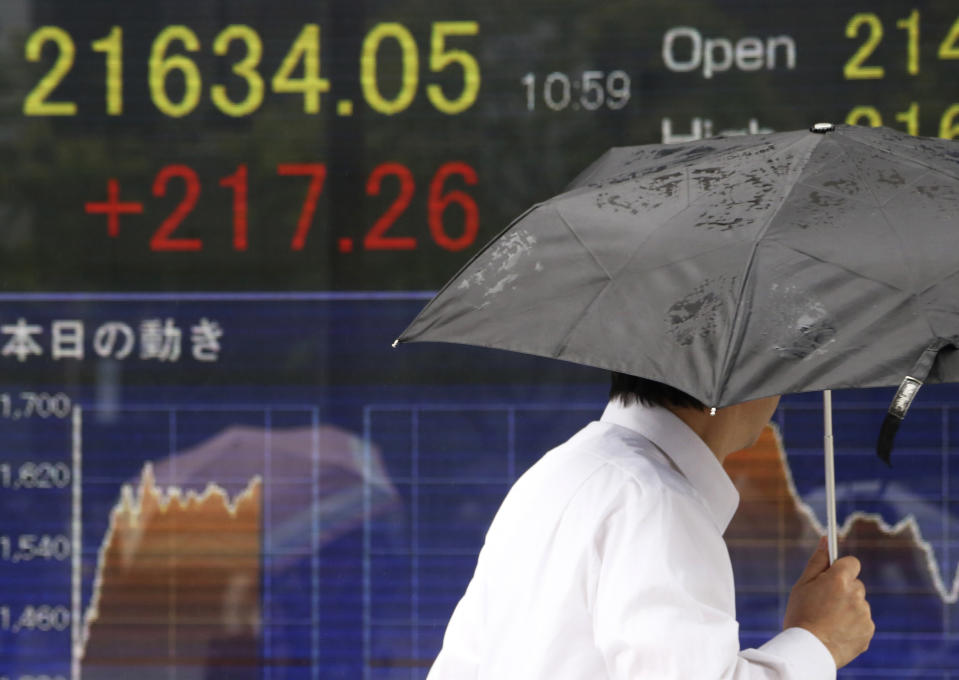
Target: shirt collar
(686, 450)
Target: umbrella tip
(395, 343)
(822, 128)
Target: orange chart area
(177, 583)
(774, 532)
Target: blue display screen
(235, 517)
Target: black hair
(629, 389)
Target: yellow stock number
(112, 47)
(306, 48)
(161, 65)
(440, 59)
(246, 69)
(869, 115)
(176, 83)
(949, 47)
(865, 115)
(948, 127)
(856, 68)
(36, 103)
(410, 71)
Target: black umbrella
(733, 268)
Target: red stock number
(452, 213)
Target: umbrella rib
(931, 286)
(476, 256)
(735, 330)
(832, 192)
(689, 204)
(908, 185)
(664, 224)
(561, 345)
(580, 241)
(892, 228)
(586, 177)
(687, 258)
(802, 252)
(914, 161)
(702, 199)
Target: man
(606, 560)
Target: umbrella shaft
(830, 477)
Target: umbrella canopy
(732, 268)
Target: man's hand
(830, 602)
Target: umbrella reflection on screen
(348, 467)
(181, 572)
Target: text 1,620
(174, 52)
(452, 213)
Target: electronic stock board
(216, 215)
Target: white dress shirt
(606, 560)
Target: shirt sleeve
(796, 653)
(663, 602)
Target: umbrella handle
(830, 477)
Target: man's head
(630, 389)
(732, 428)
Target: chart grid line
(511, 445)
(946, 618)
(76, 545)
(267, 546)
(781, 547)
(171, 627)
(367, 544)
(414, 534)
(315, 552)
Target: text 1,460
(42, 618)
(299, 72)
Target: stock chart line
(292, 452)
(776, 525)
